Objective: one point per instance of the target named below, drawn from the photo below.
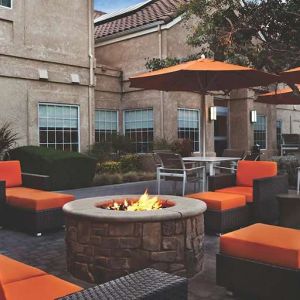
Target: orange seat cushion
(35, 199)
(46, 287)
(12, 270)
(241, 190)
(220, 201)
(247, 171)
(10, 172)
(264, 243)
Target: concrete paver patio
(48, 251)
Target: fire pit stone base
(99, 251)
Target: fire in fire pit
(144, 203)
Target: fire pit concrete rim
(87, 209)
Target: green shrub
(109, 167)
(8, 139)
(184, 147)
(67, 170)
(162, 144)
(131, 177)
(130, 162)
(101, 152)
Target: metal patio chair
(174, 169)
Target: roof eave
(129, 31)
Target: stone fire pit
(104, 244)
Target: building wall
(50, 35)
(130, 56)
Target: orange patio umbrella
(291, 76)
(280, 97)
(202, 76)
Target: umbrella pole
(204, 120)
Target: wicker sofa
(259, 182)
(19, 281)
(25, 207)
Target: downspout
(91, 71)
(162, 95)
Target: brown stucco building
(64, 80)
(153, 29)
(46, 71)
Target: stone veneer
(103, 245)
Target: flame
(143, 204)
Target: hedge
(67, 170)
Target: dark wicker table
(289, 207)
(147, 284)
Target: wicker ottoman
(260, 262)
(147, 284)
(225, 212)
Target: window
(138, 126)
(279, 132)
(59, 126)
(189, 126)
(6, 3)
(106, 125)
(260, 132)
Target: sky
(112, 5)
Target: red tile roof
(151, 12)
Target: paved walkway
(48, 251)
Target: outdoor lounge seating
(259, 183)
(173, 168)
(25, 208)
(19, 281)
(225, 212)
(260, 262)
(290, 142)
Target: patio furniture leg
(184, 184)
(158, 181)
(204, 180)
(298, 181)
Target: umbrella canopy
(291, 76)
(202, 75)
(280, 97)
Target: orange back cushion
(247, 171)
(10, 172)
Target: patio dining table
(210, 162)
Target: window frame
(266, 130)
(7, 7)
(199, 122)
(62, 105)
(108, 110)
(139, 109)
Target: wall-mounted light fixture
(253, 116)
(213, 113)
(43, 74)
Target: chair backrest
(291, 139)
(10, 172)
(170, 160)
(247, 171)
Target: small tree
(264, 34)
(8, 139)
